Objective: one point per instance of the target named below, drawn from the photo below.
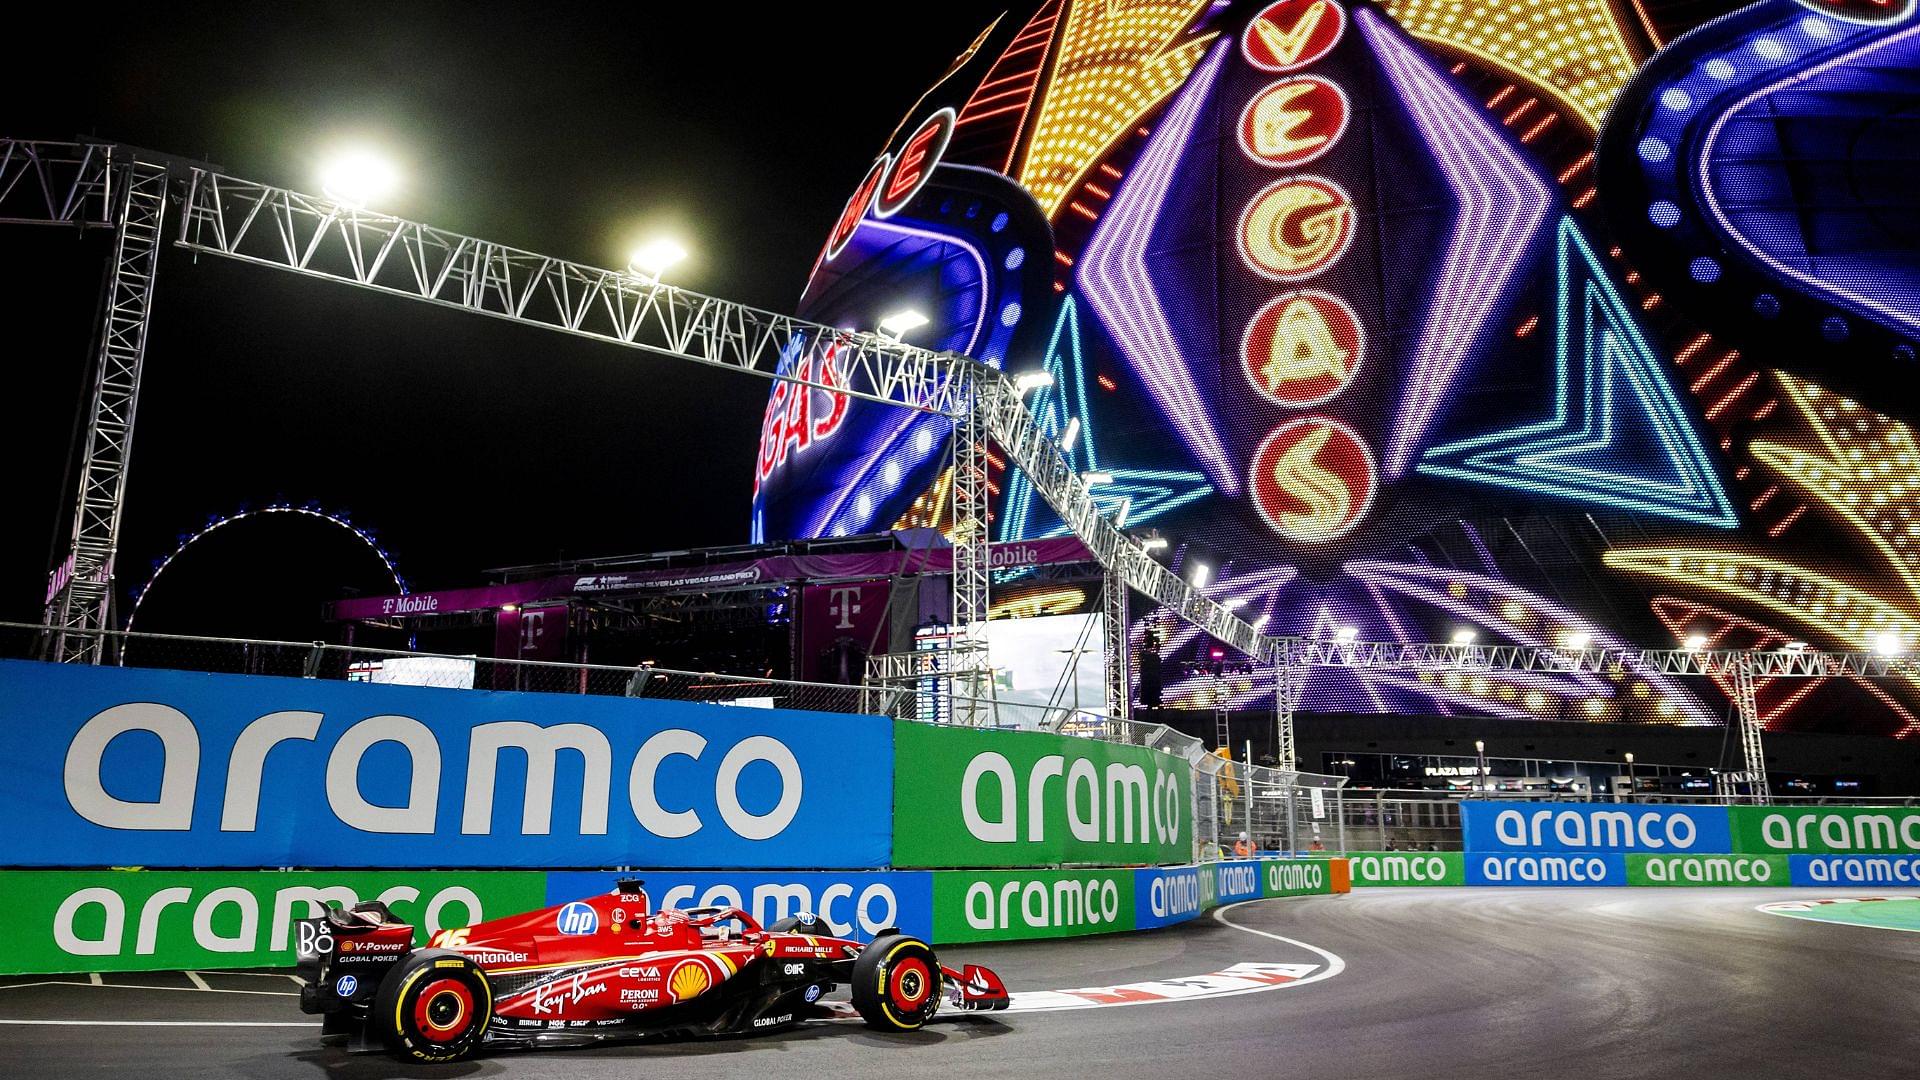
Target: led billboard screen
(1549, 321)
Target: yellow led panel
(1572, 50)
(1060, 601)
(1114, 61)
(929, 511)
(1865, 470)
(1839, 610)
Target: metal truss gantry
(1113, 613)
(321, 238)
(75, 183)
(57, 183)
(80, 589)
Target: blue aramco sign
(1594, 827)
(115, 766)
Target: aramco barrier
(961, 834)
(1561, 844)
(150, 920)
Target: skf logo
(1312, 479)
(689, 980)
(1291, 34)
(577, 918)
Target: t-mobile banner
(130, 767)
(840, 625)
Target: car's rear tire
(896, 983)
(433, 1006)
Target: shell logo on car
(689, 980)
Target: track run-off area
(1434, 983)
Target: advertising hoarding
(1594, 827)
(854, 904)
(1826, 830)
(160, 768)
(1702, 870)
(969, 797)
(1373, 869)
(155, 920)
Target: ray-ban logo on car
(577, 918)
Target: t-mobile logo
(843, 604)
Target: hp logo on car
(346, 986)
(577, 918)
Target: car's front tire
(433, 1006)
(896, 983)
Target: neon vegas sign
(1313, 478)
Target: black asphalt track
(1437, 984)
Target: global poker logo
(576, 919)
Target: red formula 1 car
(605, 968)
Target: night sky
(467, 443)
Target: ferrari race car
(607, 967)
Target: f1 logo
(843, 604)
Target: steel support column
(972, 567)
(81, 587)
(1289, 679)
(1119, 669)
(1753, 755)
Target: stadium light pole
(1633, 780)
(1480, 757)
(1032, 380)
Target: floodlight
(901, 323)
(655, 257)
(358, 177)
